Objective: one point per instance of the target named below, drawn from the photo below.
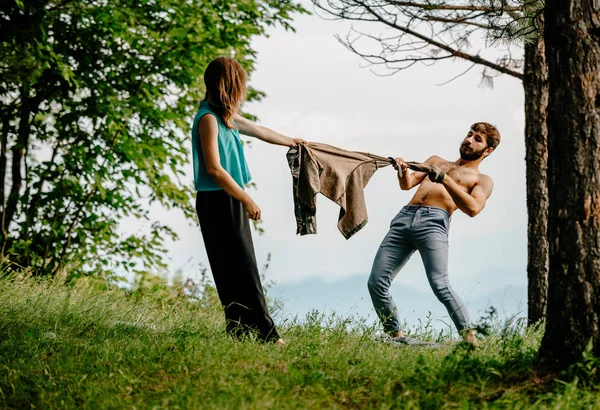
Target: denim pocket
(399, 215)
(440, 219)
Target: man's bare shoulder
(485, 178)
(485, 181)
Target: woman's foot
(470, 338)
(280, 342)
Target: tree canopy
(96, 103)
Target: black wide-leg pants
(228, 240)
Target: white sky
(318, 90)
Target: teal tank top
(231, 153)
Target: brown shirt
(339, 175)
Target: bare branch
(458, 76)
(456, 22)
(453, 52)
(450, 26)
(442, 6)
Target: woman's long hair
(225, 81)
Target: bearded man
(423, 225)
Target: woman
(223, 207)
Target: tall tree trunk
(535, 83)
(35, 198)
(18, 150)
(572, 37)
(3, 145)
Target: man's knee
(376, 285)
(371, 283)
(441, 289)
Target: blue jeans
(422, 228)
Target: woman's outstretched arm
(251, 129)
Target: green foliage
(94, 345)
(524, 26)
(96, 103)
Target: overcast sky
(318, 90)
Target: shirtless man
(423, 225)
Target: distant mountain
(349, 297)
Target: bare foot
(470, 338)
(399, 333)
(280, 342)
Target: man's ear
(488, 151)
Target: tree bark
(3, 145)
(535, 83)
(18, 150)
(35, 198)
(572, 37)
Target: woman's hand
(252, 209)
(296, 141)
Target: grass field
(84, 346)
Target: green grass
(81, 346)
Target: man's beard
(470, 155)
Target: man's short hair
(492, 135)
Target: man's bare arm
(473, 203)
(409, 180)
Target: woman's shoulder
(215, 119)
(204, 108)
(202, 119)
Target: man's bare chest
(465, 178)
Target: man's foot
(387, 337)
(470, 338)
(406, 341)
(280, 342)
